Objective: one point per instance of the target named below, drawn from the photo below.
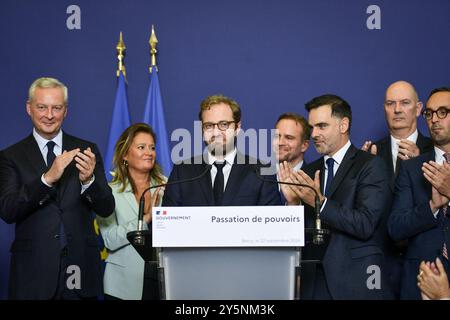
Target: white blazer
(124, 271)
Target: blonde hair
(43, 83)
(123, 144)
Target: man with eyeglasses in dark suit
(420, 211)
(232, 180)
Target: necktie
(50, 158)
(218, 183)
(397, 165)
(443, 213)
(50, 154)
(330, 175)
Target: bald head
(404, 88)
(402, 107)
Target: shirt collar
(439, 155)
(340, 154)
(42, 142)
(412, 138)
(229, 158)
(298, 166)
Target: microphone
(319, 233)
(139, 237)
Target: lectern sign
(256, 226)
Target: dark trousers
(151, 290)
(62, 291)
(321, 291)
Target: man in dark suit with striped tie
(420, 209)
(50, 184)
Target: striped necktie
(444, 212)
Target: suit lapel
(34, 155)
(71, 172)
(387, 154)
(322, 176)
(431, 156)
(234, 181)
(424, 144)
(205, 183)
(131, 199)
(341, 173)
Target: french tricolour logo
(161, 212)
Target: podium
(230, 273)
(194, 269)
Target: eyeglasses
(222, 125)
(441, 113)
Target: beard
(440, 138)
(219, 148)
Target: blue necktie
(50, 153)
(50, 158)
(330, 175)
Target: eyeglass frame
(447, 110)
(224, 122)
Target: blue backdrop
(271, 56)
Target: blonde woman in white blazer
(135, 170)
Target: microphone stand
(319, 233)
(140, 237)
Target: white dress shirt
(229, 160)
(337, 157)
(394, 146)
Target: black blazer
(411, 219)
(243, 187)
(37, 211)
(355, 213)
(385, 152)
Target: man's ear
(305, 146)
(344, 125)
(238, 127)
(419, 109)
(66, 107)
(28, 106)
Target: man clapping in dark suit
(50, 182)
(420, 212)
(402, 109)
(353, 188)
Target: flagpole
(120, 119)
(120, 56)
(154, 110)
(153, 41)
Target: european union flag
(154, 116)
(120, 121)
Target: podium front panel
(229, 273)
